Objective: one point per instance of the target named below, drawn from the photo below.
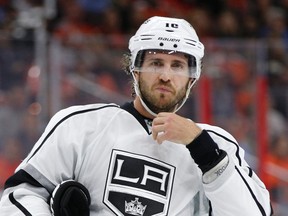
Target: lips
(164, 89)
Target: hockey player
(141, 158)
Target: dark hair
(126, 63)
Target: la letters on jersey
(138, 185)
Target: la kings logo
(138, 185)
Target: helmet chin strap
(138, 93)
(186, 95)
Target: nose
(165, 75)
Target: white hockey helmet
(170, 34)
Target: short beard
(152, 102)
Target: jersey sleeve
(231, 186)
(56, 157)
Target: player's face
(163, 80)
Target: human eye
(179, 68)
(155, 66)
(156, 63)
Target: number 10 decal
(172, 25)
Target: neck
(141, 109)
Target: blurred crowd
(86, 29)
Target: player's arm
(230, 185)
(23, 195)
(227, 179)
(51, 161)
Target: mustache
(163, 83)
(167, 85)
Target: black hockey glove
(70, 198)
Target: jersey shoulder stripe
(232, 142)
(67, 113)
(223, 134)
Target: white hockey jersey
(112, 153)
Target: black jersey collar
(145, 122)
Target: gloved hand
(70, 198)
